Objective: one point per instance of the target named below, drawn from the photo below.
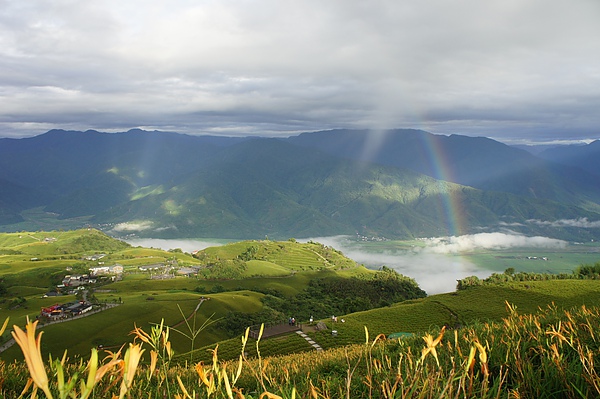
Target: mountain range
(397, 184)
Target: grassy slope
(477, 304)
(265, 268)
(289, 269)
(111, 327)
(291, 255)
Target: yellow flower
(33, 355)
(4, 326)
(207, 378)
(141, 334)
(96, 373)
(269, 395)
(153, 360)
(186, 394)
(131, 360)
(431, 344)
(482, 358)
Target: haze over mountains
(394, 184)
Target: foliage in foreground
(550, 354)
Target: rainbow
(453, 212)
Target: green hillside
(59, 242)
(292, 255)
(550, 353)
(244, 283)
(462, 308)
(328, 196)
(515, 323)
(303, 187)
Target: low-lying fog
(435, 266)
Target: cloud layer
(437, 265)
(188, 246)
(504, 69)
(583, 223)
(493, 241)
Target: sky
(518, 71)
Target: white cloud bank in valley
(188, 246)
(583, 223)
(437, 265)
(495, 241)
(129, 227)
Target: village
(64, 311)
(82, 285)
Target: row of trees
(581, 272)
(330, 296)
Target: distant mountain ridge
(586, 157)
(314, 184)
(472, 161)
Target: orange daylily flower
(31, 348)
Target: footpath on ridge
(309, 340)
(285, 328)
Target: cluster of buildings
(76, 280)
(106, 270)
(71, 283)
(58, 311)
(360, 237)
(160, 271)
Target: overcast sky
(506, 69)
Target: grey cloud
(496, 68)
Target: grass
(475, 305)
(111, 327)
(264, 268)
(558, 261)
(12, 264)
(147, 302)
(551, 353)
(288, 254)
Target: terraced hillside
(291, 255)
(223, 289)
